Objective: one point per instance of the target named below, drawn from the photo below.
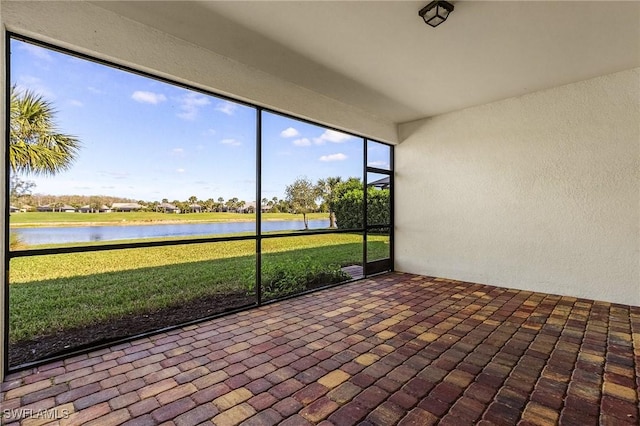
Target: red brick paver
(398, 349)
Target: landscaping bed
(94, 334)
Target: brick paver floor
(397, 349)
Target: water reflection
(83, 234)
(95, 234)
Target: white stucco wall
(539, 192)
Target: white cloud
(95, 90)
(289, 132)
(180, 170)
(148, 97)
(226, 107)
(190, 104)
(35, 85)
(381, 164)
(210, 132)
(177, 151)
(231, 142)
(29, 79)
(302, 142)
(332, 136)
(76, 103)
(334, 157)
(114, 174)
(37, 51)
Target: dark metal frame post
(7, 175)
(258, 286)
(392, 219)
(365, 222)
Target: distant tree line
(341, 199)
(25, 200)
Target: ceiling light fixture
(436, 12)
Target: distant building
(383, 183)
(195, 208)
(64, 208)
(126, 207)
(248, 208)
(167, 208)
(88, 209)
(13, 209)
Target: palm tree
(209, 205)
(326, 191)
(234, 203)
(94, 204)
(35, 145)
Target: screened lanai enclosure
(179, 204)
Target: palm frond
(35, 145)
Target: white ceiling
(380, 57)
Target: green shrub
(348, 208)
(290, 276)
(15, 242)
(378, 206)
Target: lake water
(85, 234)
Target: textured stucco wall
(89, 29)
(539, 192)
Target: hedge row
(348, 208)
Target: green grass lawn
(78, 219)
(48, 294)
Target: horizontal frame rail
(163, 243)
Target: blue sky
(148, 140)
